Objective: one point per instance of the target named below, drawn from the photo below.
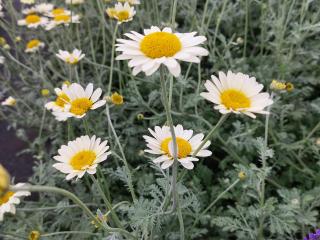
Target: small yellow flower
(289, 87)
(3, 41)
(18, 39)
(45, 92)
(4, 180)
(117, 99)
(277, 85)
(140, 116)
(242, 175)
(34, 235)
(122, 13)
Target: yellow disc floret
(184, 147)
(160, 44)
(62, 18)
(83, 159)
(234, 99)
(80, 106)
(33, 44)
(6, 197)
(117, 99)
(62, 99)
(122, 16)
(33, 18)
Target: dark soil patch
(19, 166)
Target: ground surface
(19, 166)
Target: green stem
(173, 135)
(112, 59)
(215, 201)
(123, 158)
(106, 201)
(211, 133)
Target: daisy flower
(33, 21)
(131, 2)
(161, 144)
(10, 199)
(80, 156)
(147, 52)
(58, 12)
(10, 101)
(237, 93)
(64, 19)
(81, 101)
(61, 100)
(71, 58)
(34, 45)
(122, 13)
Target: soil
(18, 165)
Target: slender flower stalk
(75, 199)
(112, 58)
(173, 135)
(123, 157)
(211, 133)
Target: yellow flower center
(57, 12)
(62, 99)
(234, 99)
(62, 18)
(123, 16)
(80, 106)
(83, 159)
(33, 18)
(5, 198)
(34, 235)
(33, 43)
(160, 44)
(184, 147)
(117, 99)
(72, 60)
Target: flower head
(122, 13)
(78, 101)
(10, 101)
(81, 155)
(61, 100)
(313, 236)
(34, 235)
(161, 144)
(10, 199)
(277, 85)
(45, 92)
(4, 180)
(33, 21)
(71, 58)
(62, 19)
(147, 52)
(34, 45)
(236, 93)
(117, 99)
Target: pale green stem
(215, 201)
(173, 135)
(106, 201)
(211, 133)
(264, 165)
(112, 59)
(75, 199)
(123, 158)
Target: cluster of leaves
(267, 39)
